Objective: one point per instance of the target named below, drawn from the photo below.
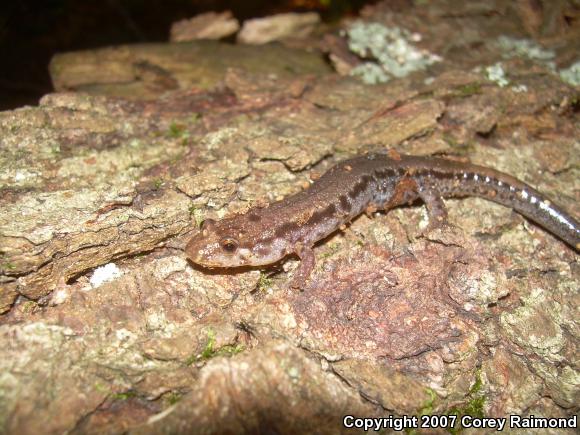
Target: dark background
(32, 31)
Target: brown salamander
(377, 181)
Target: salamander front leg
(307, 262)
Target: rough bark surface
(479, 318)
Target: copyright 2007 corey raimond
(405, 422)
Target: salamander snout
(214, 247)
(209, 252)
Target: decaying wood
(395, 320)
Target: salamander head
(237, 241)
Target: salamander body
(377, 181)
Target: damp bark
(106, 327)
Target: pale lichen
(535, 326)
(105, 273)
(390, 51)
(496, 74)
(571, 75)
(512, 47)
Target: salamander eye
(229, 244)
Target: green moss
(123, 396)
(157, 183)
(450, 140)
(8, 266)
(264, 281)
(210, 351)
(469, 89)
(197, 215)
(177, 131)
(427, 408)
(460, 148)
(333, 248)
(172, 398)
(101, 388)
(230, 350)
(478, 384)
(426, 95)
(29, 306)
(474, 407)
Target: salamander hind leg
(307, 262)
(439, 227)
(435, 206)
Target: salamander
(375, 181)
